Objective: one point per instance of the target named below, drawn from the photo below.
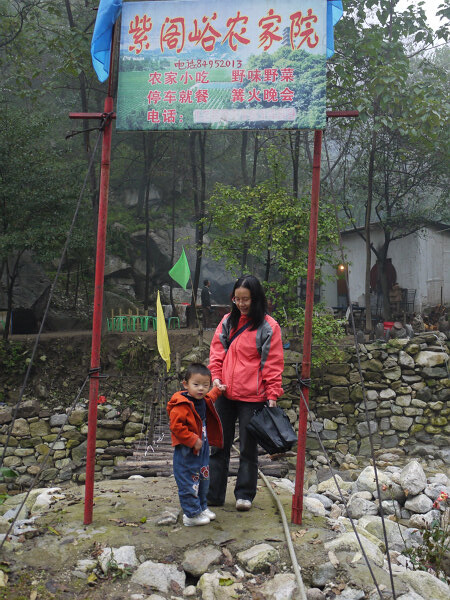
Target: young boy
(194, 424)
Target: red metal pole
(98, 312)
(297, 500)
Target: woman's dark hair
(196, 369)
(258, 307)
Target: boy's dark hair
(205, 281)
(196, 369)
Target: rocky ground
(136, 548)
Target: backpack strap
(238, 332)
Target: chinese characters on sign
(246, 64)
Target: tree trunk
(294, 141)
(172, 249)
(11, 276)
(86, 133)
(367, 230)
(245, 182)
(195, 196)
(268, 264)
(253, 182)
(148, 161)
(77, 287)
(201, 213)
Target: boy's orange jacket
(186, 425)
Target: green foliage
(399, 91)
(431, 554)
(274, 228)
(6, 473)
(270, 223)
(327, 331)
(136, 356)
(13, 357)
(115, 571)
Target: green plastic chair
(145, 321)
(175, 321)
(131, 322)
(120, 323)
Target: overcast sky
(431, 6)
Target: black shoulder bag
(272, 429)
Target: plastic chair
(145, 320)
(120, 323)
(131, 322)
(175, 321)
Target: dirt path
(126, 513)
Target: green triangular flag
(180, 271)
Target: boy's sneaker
(209, 513)
(242, 504)
(200, 519)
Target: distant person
(206, 303)
(194, 423)
(246, 362)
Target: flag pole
(200, 326)
(98, 298)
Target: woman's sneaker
(209, 513)
(243, 505)
(200, 519)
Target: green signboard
(240, 64)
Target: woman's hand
(272, 403)
(218, 384)
(198, 445)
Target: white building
(421, 262)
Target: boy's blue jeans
(192, 476)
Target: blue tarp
(107, 14)
(109, 10)
(334, 13)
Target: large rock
(282, 587)
(314, 506)
(159, 576)
(366, 480)
(197, 560)
(118, 558)
(218, 585)
(398, 536)
(357, 507)
(430, 359)
(160, 252)
(349, 543)
(419, 504)
(29, 408)
(413, 479)
(30, 291)
(258, 559)
(330, 486)
(426, 585)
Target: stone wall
(408, 403)
(408, 399)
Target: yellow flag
(161, 333)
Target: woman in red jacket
(246, 363)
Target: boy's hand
(197, 446)
(217, 383)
